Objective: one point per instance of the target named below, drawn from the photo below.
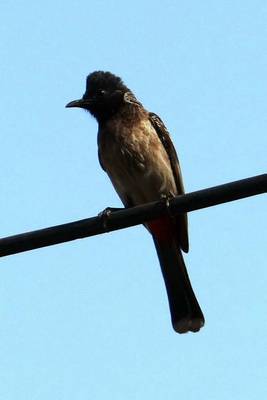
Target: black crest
(103, 80)
(105, 95)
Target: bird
(136, 151)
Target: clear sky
(89, 319)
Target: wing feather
(164, 136)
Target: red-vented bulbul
(136, 151)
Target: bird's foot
(165, 199)
(105, 214)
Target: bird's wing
(163, 134)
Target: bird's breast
(135, 160)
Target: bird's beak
(81, 103)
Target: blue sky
(89, 319)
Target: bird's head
(104, 95)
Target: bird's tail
(185, 311)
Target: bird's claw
(165, 199)
(105, 214)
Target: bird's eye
(101, 92)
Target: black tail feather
(185, 311)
